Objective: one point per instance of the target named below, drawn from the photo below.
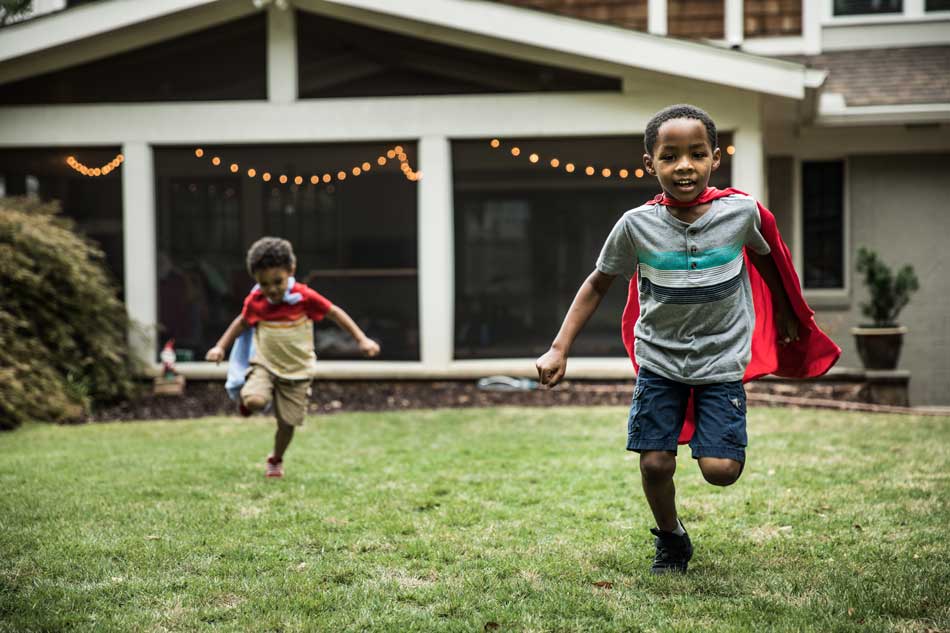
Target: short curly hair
(270, 252)
(678, 111)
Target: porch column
(139, 248)
(436, 253)
(748, 163)
(281, 55)
(734, 28)
(811, 28)
(656, 17)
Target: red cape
(811, 355)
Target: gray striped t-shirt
(696, 313)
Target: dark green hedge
(63, 345)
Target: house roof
(540, 31)
(886, 76)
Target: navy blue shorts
(659, 406)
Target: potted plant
(879, 343)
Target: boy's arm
(553, 364)
(368, 346)
(785, 320)
(237, 327)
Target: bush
(63, 345)
(889, 294)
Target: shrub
(889, 294)
(63, 345)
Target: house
(447, 169)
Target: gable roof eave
(605, 43)
(85, 21)
(602, 43)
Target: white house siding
(898, 209)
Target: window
(355, 240)
(937, 5)
(527, 235)
(823, 224)
(866, 7)
(94, 203)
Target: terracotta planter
(879, 347)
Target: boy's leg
(285, 433)
(656, 475)
(720, 439)
(656, 419)
(290, 406)
(258, 389)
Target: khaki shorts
(290, 396)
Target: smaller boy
(282, 312)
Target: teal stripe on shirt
(678, 260)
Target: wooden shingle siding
(764, 18)
(629, 14)
(697, 18)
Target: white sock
(679, 531)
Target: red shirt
(258, 308)
(283, 334)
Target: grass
(469, 520)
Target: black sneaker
(672, 552)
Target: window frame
(913, 11)
(823, 297)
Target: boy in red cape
(699, 319)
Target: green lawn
(469, 520)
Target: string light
(363, 167)
(94, 172)
(590, 170)
(731, 149)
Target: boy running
(694, 332)
(282, 312)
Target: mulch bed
(206, 398)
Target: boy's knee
(720, 472)
(254, 402)
(657, 465)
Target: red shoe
(275, 467)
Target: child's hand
(551, 367)
(369, 348)
(786, 326)
(215, 354)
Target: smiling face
(682, 159)
(273, 282)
